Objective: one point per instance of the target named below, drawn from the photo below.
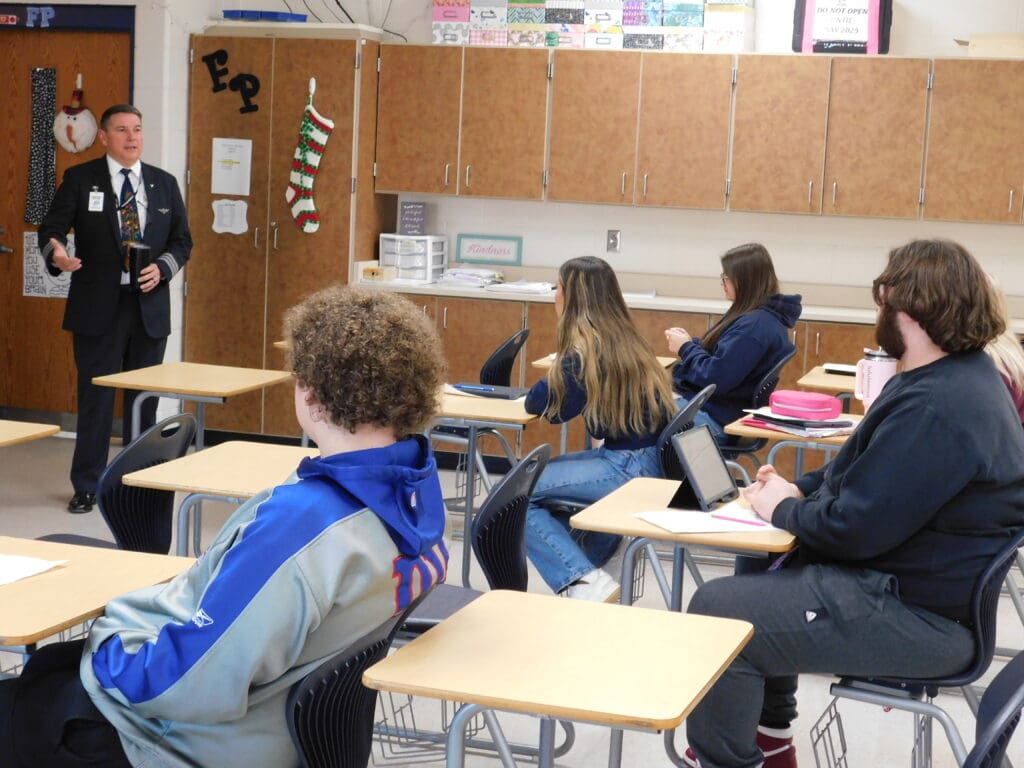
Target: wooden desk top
(237, 469)
(832, 383)
(614, 514)
(612, 664)
(743, 430)
(194, 379)
(14, 432)
(41, 606)
(545, 362)
(484, 409)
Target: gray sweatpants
(817, 618)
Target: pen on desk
(474, 387)
(740, 520)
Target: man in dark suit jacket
(116, 324)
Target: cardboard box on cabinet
(994, 46)
(728, 28)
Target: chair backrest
(770, 381)
(497, 371)
(141, 519)
(330, 711)
(681, 422)
(998, 714)
(499, 529)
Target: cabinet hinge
(544, 179)
(375, 169)
(378, 64)
(728, 187)
(359, 59)
(191, 55)
(931, 80)
(920, 196)
(353, 185)
(551, 70)
(184, 288)
(735, 74)
(188, 176)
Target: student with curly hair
(606, 372)
(197, 671)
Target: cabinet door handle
(274, 225)
(835, 187)
(256, 237)
(424, 310)
(1009, 208)
(817, 342)
(645, 186)
(444, 319)
(467, 175)
(810, 190)
(447, 167)
(622, 187)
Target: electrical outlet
(613, 243)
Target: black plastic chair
(330, 711)
(915, 695)
(141, 519)
(748, 446)
(496, 372)
(682, 421)
(498, 538)
(998, 715)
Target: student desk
(190, 381)
(232, 471)
(614, 514)
(783, 439)
(14, 432)
(837, 384)
(529, 653)
(473, 413)
(40, 606)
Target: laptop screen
(704, 466)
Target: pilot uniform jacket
(93, 297)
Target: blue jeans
(701, 418)
(561, 554)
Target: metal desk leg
(628, 565)
(190, 517)
(546, 756)
(678, 564)
(456, 747)
(468, 512)
(563, 438)
(200, 425)
(615, 748)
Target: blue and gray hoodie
(196, 672)
(743, 354)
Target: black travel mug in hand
(139, 257)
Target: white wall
(808, 249)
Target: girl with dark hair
(742, 347)
(606, 372)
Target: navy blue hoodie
(743, 354)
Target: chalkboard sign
(412, 219)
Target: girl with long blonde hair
(606, 372)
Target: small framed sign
(489, 249)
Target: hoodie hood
(786, 307)
(398, 483)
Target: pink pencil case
(804, 405)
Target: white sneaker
(597, 586)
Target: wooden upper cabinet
(593, 126)
(418, 126)
(683, 145)
(875, 145)
(975, 167)
(504, 120)
(779, 133)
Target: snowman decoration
(74, 127)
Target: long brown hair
(626, 386)
(749, 268)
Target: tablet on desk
(490, 390)
(708, 481)
(840, 368)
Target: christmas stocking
(313, 135)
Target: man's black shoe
(81, 502)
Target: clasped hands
(676, 337)
(768, 490)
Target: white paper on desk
(16, 567)
(728, 518)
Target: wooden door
(875, 146)
(300, 262)
(839, 343)
(418, 123)
(471, 329)
(38, 368)
(504, 122)
(778, 152)
(595, 95)
(683, 144)
(975, 169)
(227, 275)
(796, 367)
(652, 324)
